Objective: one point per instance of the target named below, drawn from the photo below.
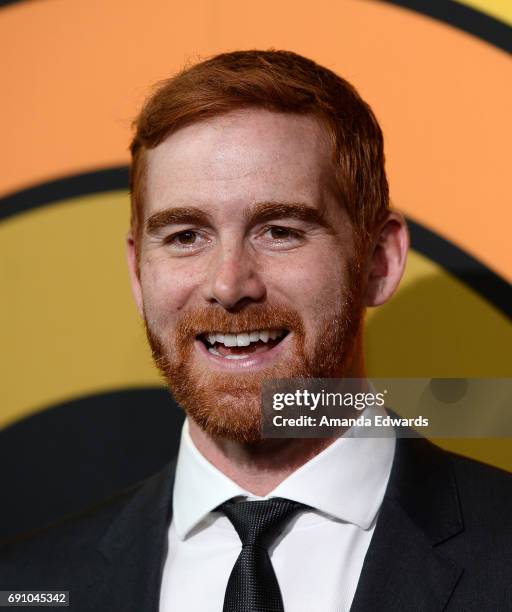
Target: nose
(233, 279)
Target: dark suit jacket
(443, 541)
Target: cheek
(316, 288)
(164, 295)
(313, 285)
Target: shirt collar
(346, 481)
(199, 487)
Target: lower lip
(252, 361)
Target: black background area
(74, 455)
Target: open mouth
(242, 345)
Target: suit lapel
(135, 546)
(403, 569)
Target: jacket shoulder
(485, 492)
(72, 532)
(80, 532)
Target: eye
(283, 234)
(183, 240)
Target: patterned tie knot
(259, 522)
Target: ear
(134, 272)
(386, 260)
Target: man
(261, 230)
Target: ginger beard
(228, 405)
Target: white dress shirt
(318, 557)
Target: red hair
(279, 81)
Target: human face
(244, 233)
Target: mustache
(255, 316)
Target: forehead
(240, 158)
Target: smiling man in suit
(246, 265)
(261, 230)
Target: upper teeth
(244, 339)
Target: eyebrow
(259, 213)
(175, 216)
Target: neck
(260, 467)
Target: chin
(231, 415)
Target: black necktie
(252, 585)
